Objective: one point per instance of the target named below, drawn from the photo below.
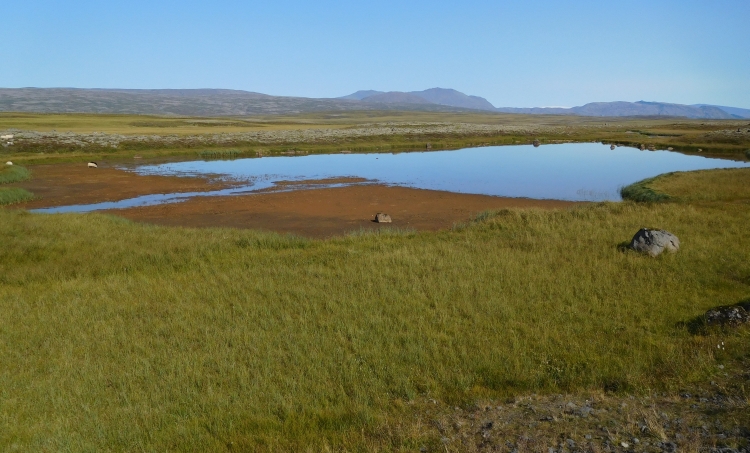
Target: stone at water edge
(654, 242)
(731, 315)
(382, 218)
(611, 146)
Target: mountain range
(453, 98)
(218, 102)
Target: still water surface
(573, 171)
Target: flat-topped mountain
(438, 96)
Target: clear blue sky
(520, 54)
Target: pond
(572, 171)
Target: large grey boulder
(654, 242)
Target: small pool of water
(573, 171)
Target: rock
(729, 315)
(642, 146)
(9, 163)
(654, 242)
(428, 146)
(536, 143)
(670, 148)
(611, 146)
(92, 165)
(382, 218)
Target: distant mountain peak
(440, 96)
(361, 94)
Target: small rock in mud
(382, 218)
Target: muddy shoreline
(310, 211)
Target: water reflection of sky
(574, 171)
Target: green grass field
(117, 336)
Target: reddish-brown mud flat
(315, 212)
(330, 211)
(69, 184)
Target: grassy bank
(120, 336)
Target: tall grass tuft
(11, 195)
(13, 173)
(224, 154)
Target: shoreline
(311, 211)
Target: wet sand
(311, 212)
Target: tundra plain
(490, 335)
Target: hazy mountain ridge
(222, 102)
(450, 97)
(736, 111)
(622, 108)
(198, 102)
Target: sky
(514, 53)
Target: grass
(219, 154)
(122, 336)
(12, 195)
(641, 191)
(13, 173)
(725, 185)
